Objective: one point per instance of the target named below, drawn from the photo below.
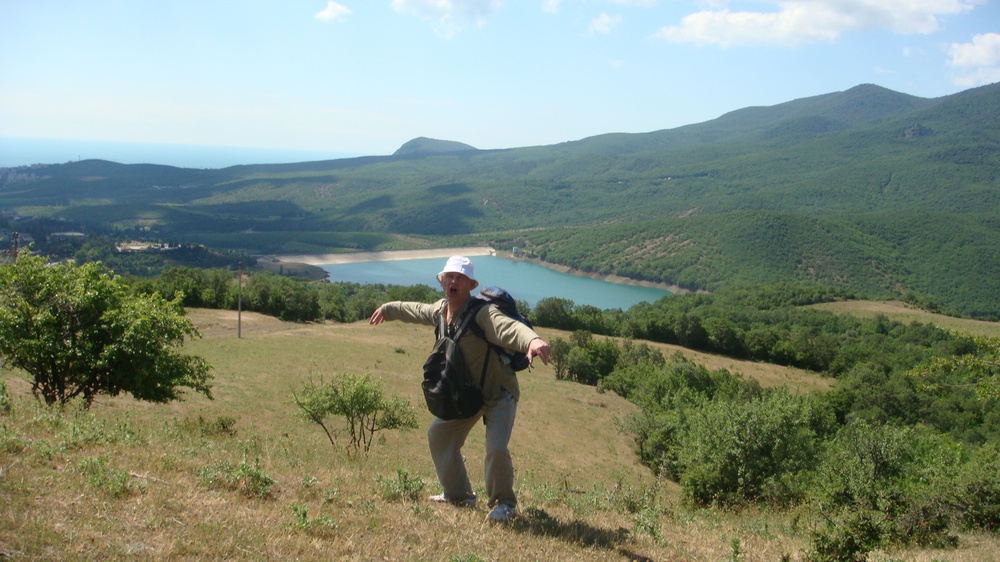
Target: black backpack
(503, 300)
(448, 390)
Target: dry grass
(895, 310)
(576, 475)
(767, 374)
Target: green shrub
(98, 475)
(734, 451)
(360, 400)
(78, 334)
(250, 479)
(861, 465)
(893, 484)
(846, 539)
(980, 489)
(403, 487)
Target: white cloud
(604, 24)
(550, 6)
(332, 12)
(792, 22)
(978, 61)
(449, 16)
(643, 3)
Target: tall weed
(317, 525)
(100, 476)
(5, 403)
(248, 478)
(403, 487)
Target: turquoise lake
(526, 281)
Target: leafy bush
(360, 400)
(980, 490)
(898, 483)
(78, 333)
(734, 451)
(669, 395)
(846, 539)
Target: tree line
(287, 298)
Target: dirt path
(392, 255)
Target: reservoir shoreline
(468, 251)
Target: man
(500, 388)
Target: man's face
(456, 286)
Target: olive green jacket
(497, 327)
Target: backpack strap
(478, 330)
(467, 320)
(441, 330)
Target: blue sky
(363, 77)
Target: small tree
(360, 400)
(560, 356)
(78, 333)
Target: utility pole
(239, 303)
(12, 253)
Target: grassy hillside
(877, 191)
(901, 312)
(135, 481)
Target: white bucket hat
(459, 264)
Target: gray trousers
(446, 438)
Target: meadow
(243, 477)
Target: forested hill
(825, 113)
(877, 191)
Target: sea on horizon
(16, 152)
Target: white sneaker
(502, 513)
(465, 502)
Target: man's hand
(538, 348)
(377, 317)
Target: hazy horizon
(16, 152)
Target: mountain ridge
(425, 145)
(896, 177)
